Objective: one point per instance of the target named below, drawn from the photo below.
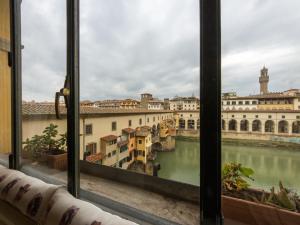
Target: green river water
(270, 164)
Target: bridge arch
(296, 127)
(269, 126)
(244, 125)
(232, 125)
(256, 126)
(191, 124)
(181, 123)
(283, 126)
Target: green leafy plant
(284, 198)
(45, 144)
(235, 176)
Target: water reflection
(270, 164)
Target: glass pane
(5, 84)
(140, 104)
(44, 70)
(260, 117)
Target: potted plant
(47, 148)
(243, 204)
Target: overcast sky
(133, 46)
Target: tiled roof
(122, 143)
(128, 130)
(49, 109)
(109, 138)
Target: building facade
(184, 103)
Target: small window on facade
(234, 103)
(91, 148)
(253, 102)
(140, 142)
(256, 116)
(109, 155)
(129, 123)
(282, 117)
(89, 129)
(114, 152)
(191, 115)
(140, 121)
(240, 102)
(297, 117)
(114, 126)
(232, 116)
(247, 102)
(153, 118)
(228, 103)
(269, 116)
(148, 120)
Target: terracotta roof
(128, 130)
(49, 109)
(121, 143)
(262, 111)
(262, 96)
(94, 158)
(109, 138)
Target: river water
(270, 164)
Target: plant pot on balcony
(57, 161)
(252, 213)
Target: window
(232, 116)
(244, 116)
(233, 102)
(153, 118)
(140, 121)
(110, 106)
(254, 102)
(89, 129)
(256, 116)
(114, 126)
(240, 102)
(147, 119)
(297, 117)
(140, 142)
(269, 116)
(282, 116)
(247, 102)
(91, 148)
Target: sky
(128, 47)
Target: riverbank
(247, 142)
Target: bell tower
(264, 80)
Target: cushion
(64, 209)
(27, 194)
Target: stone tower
(264, 80)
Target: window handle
(63, 92)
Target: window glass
(44, 149)
(260, 145)
(140, 72)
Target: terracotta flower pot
(59, 162)
(253, 213)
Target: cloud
(128, 47)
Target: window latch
(63, 92)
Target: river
(270, 164)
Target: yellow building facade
(5, 81)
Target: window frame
(210, 95)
